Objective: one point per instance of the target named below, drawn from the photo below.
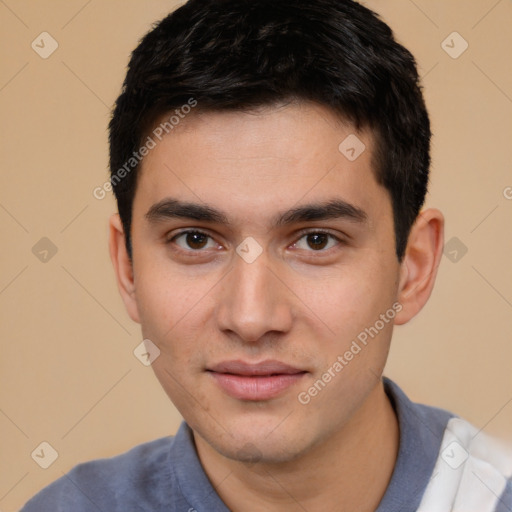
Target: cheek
(171, 308)
(348, 300)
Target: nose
(254, 302)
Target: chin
(253, 441)
(262, 451)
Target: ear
(122, 266)
(418, 269)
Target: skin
(201, 304)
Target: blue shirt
(443, 464)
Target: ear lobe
(419, 266)
(123, 267)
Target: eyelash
(301, 235)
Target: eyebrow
(170, 208)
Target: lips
(260, 381)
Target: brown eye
(196, 240)
(192, 240)
(317, 241)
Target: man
(270, 161)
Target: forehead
(255, 162)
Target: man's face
(254, 305)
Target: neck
(348, 471)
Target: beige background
(68, 373)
